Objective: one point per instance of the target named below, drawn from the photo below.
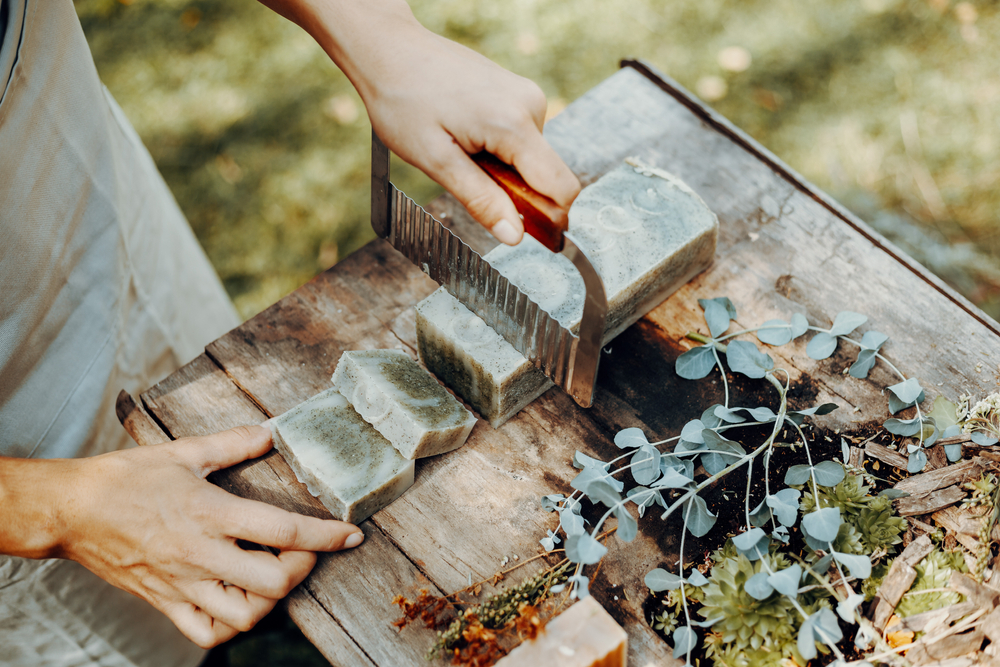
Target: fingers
(209, 453)
(274, 527)
(233, 606)
(263, 573)
(484, 199)
(197, 625)
(541, 167)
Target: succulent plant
(933, 572)
(879, 525)
(739, 619)
(850, 496)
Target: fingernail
(354, 539)
(506, 233)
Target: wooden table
(784, 247)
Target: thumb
(208, 453)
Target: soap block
(584, 635)
(340, 458)
(644, 230)
(404, 402)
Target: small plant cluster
(980, 420)
(763, 601)
(985, 497)
(474, 636)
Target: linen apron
(103, 287)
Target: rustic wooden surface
(783, 248)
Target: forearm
(360, 36)
(31, 491)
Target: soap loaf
(340, 458)
(404, 402)
(643, 229)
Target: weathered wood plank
(928, 503)
(952, 646)
(898, 580)
(957, 473)
(886, 455)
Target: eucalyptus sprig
(667, 479)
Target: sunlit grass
(889, 105)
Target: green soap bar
(340, 458)
(644, 230)
(404, 402)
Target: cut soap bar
(646, 233)
(342, 460)
(584, 635)
(403, 402)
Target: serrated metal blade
(569, 360)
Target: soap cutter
(568, 359)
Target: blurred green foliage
(889, 105)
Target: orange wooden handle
(543, 218)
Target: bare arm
(147, 521)
(434, 102)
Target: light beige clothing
(103, 287)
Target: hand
(147, 521)
(434, 102)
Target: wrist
(31, 494)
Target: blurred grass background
(888, 105)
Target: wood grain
(784, 248)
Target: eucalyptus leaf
(821, 566)
(697, 519)
(708, 418)
(601, 492)
(581, 462)
(685, 639)
(786, 581)
(781, 534)
(696, 578)
(893, 494)
(748, 540)
(826, 627)
(895, 405)
(550, 503)
(822, 524)
(984, 439)
(692, 431)
(744, 357)
(630, 438)
(903, 427)
(696, 363)
(775, 332)
(821, 409)
(673, 479)
(864, 363)
(860, 566)
(660, 580)
(845, 608)
(571, 522)
(588, 476)
(916, 462)
(785, 505)
(873, 340)
(828, 473)
(846, 322)
(907, 391)
(685, 447)
(760, 515)
(798, 474)
(627, 526)
(820, 347)
(717, 315)
(729, 416)
(806, 641)
(950, 431)
(646, 464)
(943, 413)
(584, 549)
(715, 463)
(758, 586)
(953, 452)
(762, 414)
(800, 325)
(845, 451)
(581, 586)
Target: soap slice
(340, 458)
(584, 635)
(404, 402)
(643, 229)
